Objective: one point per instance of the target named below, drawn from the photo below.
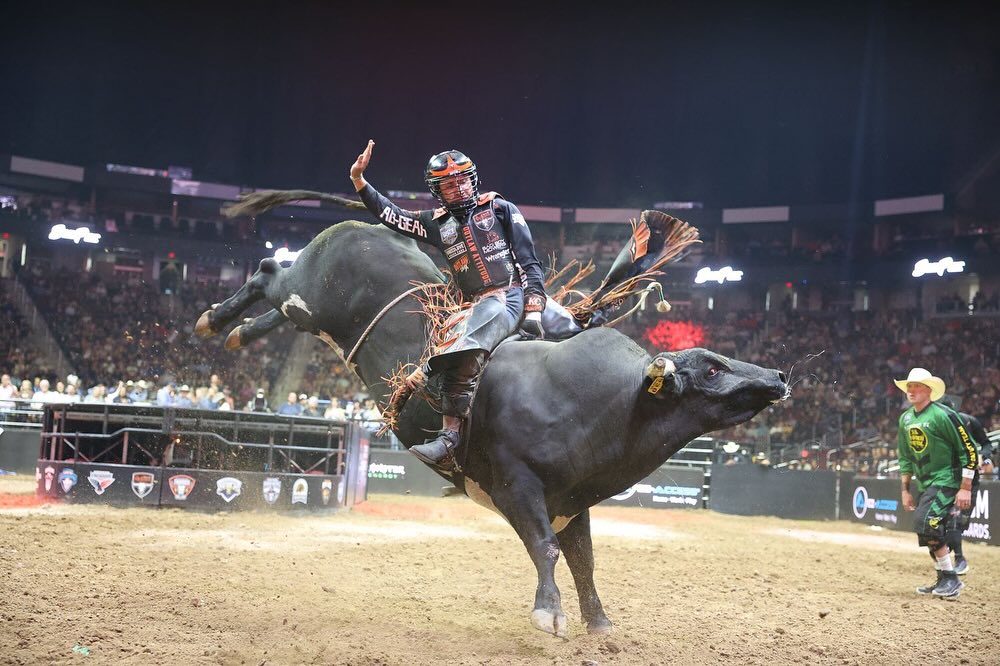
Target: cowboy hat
(921, 376)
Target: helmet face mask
(453, 180)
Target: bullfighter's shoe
(927, 589)
(440, 451)
(949, 587)
(961, 566)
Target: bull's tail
(256, 203)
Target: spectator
(312, 407)
(291, 406)
(183, 400)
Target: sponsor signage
(666, 488)
(300, 492)
(878, 502)
(202, 489)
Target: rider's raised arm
(418, 225)
(523, 248)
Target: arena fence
(200, 459)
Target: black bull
(556, 427)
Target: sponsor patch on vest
(484, 219)
(228, 488)
(455, 250)
(67, 479)
(272, 489)
(449, 231)
(300, 492)
(517, 218)
(101, 479)
(181, 486)
(461, 265)
(142, 483)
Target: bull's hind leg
(579, 551)
(254, 329)
(222, 314)
(522, 502)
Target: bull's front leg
(579, 550)
(522, 502)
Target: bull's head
(719, 391)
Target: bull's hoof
(233, 341)
(549, 622)
(600, 626)
(204, 328)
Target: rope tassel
(253, 204)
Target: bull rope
(382, 312)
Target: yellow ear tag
(655, 387)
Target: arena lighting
(724, 274)
(269, 245)
(60, 232)
(284, 254)
(939, 268)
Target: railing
(44, 340)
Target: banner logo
(101, 479)
(228, 488)
(860, 502)
(67, 479)
(181, 486)
(142, 483)
(50, 473)
(326, 490)
(300, 492)
(272, 489)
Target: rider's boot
(458, 382)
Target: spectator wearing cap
(312, 407)
(139, 392)
(184, 397)
(259, 403)
(291, 407)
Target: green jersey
(935, 448)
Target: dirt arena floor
(403, 580)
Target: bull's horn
(659, 367)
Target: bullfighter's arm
(523, 248)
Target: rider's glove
(532, 324)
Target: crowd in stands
(841, 368)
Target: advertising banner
(202, 489)
(878, 502)
(666, 488)
(399, 472)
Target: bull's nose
(782, 377)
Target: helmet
(451, 165)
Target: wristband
(535, 303)
(968, 473)
(533, 316)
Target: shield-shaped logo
(484, 219)
(341, 490)
(300, 492)
(449, 231)
(142, 483)
(100, 479)
(181, 486)
(50, 474)
(272, 488)
(228, 488)
(67, 479)
(326, 489)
